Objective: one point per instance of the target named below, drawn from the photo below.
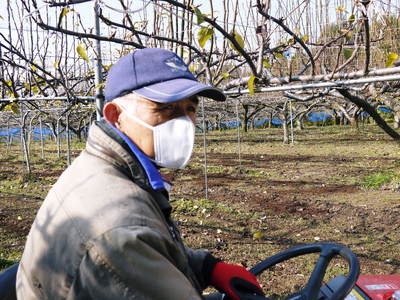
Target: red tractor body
(375, 287)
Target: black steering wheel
(312, 290)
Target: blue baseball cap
(156, 74)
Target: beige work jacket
(103, 233)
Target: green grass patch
(203, 207)
(377, 180)
(193, 205)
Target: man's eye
(192, 109)
(168, 107)
(165, 108)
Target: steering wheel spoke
(327, 252)
(317, 276)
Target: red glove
(234, 281)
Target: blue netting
(230, 124)
(384, 109)
(318, 116)
(11, 131)
(275, 121)
(260, 122)
(45, 131)
(35, 135)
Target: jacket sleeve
(202, 262)
(132, 263)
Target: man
(104, 231)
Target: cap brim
(178, 89)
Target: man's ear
(111, 112)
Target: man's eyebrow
(193, 99)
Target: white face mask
(173, 141)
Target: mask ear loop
(141, 122)
(136, 119)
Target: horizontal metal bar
(286, 87)
(333, 84)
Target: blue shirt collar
(152, 173)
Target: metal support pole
(9, 136)
(291, 121)
(238, 132)
(21, 109)
(58, 137)
(2, 76)
(68, 139)
(41, 137)
(204, 148)
(98, 67)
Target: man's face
(154, 114)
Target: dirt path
(275, 197)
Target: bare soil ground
(333, 184)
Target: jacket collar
(104, 141)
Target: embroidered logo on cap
(176, 64)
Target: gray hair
(128, 101)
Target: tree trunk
(217, 123)
(353, 121)
(372, 112)
(270, 121)
(24, 143)
(396, 120)
(79, 135)
(245, 125)
(245, 117)
(285, 132)
(299, 124)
